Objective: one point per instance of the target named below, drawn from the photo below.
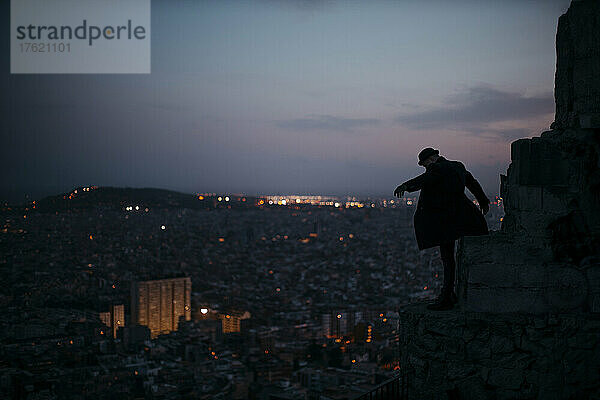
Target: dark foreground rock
(501, 356)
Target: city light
(204, 311)
(163, 227)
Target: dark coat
(444, 212)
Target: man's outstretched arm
(475, 188)
(411, 185)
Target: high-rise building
(160, 303)
(114, 318)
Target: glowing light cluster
(288, 200)
(136, 208)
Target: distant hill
(118, 198)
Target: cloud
(476, 108)
(326, 122)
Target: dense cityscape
(125, 293)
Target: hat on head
(426, 153)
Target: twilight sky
(282, 96)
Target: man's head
(428, 156)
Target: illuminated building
(114, 318)
(160, 303)
(232, 322)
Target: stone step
(501, 273)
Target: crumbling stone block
(590, 121)
(506, 378)
(593, 279)
(577, 79)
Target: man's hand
(485, 208)
(399, 192)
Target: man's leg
(447, 256)
(446, 300)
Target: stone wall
(483, 356)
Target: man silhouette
(444, 213)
